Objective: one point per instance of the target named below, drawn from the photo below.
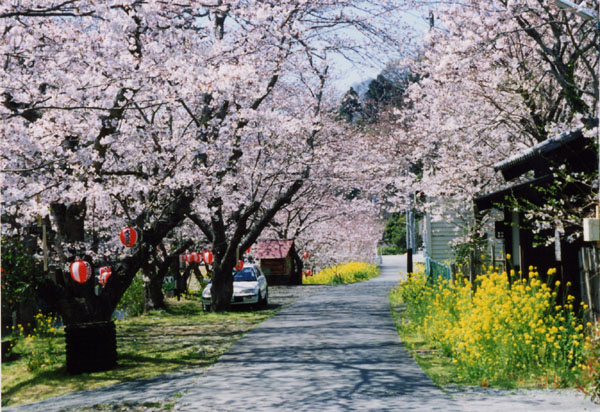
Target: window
(245, 275)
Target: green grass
(434, 363)
(158, 342)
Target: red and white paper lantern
(207, 256)
(195, 257)
(129, 236)
(248, 251)
(105, 273)
(305, 255)
(240, 265)
(81, 271)
(308, 273)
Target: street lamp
(591, 227)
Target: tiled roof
(273, 249)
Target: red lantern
(105, 273)
(194, 257)
(128, 236)
(305, 255)
(248, 251)
(207, 257)
(80, 271)
(308, 273)
(239, 266)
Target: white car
(249, 288)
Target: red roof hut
(275, 258)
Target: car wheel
(264, 302)
(258, 303)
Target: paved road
(335, 351)
(338, 351)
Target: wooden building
(276, 258)
(533, 172)
(438, 236)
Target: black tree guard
(91, 347)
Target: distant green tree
(386, 90)
(394, 234)
(350, 108)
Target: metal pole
(413, 237)
(409, 257)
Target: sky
(346, 74)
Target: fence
(436, 270)
(589, 264)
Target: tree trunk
(70, 220)
(184, 279)
(297, 267)
(156, 298)
(222, 287)
(90, 335)
(198, 274)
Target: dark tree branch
(202, 225)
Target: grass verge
(434, 363)
(504, 335)
(158, 342)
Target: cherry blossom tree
(496, 78)
(335, 223)
(156, 114)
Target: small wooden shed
(535, 168)
(275, 258)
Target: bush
(20, 277)
(590, 384)
(504, 331)
(392, 250)
(347, 273)
(133, 300)
(39, 346)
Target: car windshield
(245, 275)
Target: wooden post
(471, 268)
(586, 258)
(45, 247)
